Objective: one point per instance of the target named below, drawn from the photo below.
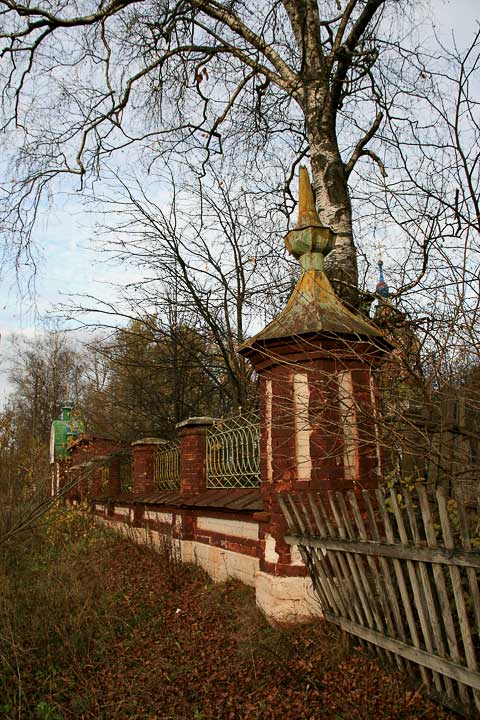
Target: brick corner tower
(317, 363)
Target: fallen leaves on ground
(174, 646)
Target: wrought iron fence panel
(166, 474)
(104, 477)
(233, 452)
(125, 472)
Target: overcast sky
(67, 265)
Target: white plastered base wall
(286, 600)
(221, 564)
(218, 563)
(283, 600)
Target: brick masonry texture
(320, 397)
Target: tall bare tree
(205, 263)
(45, 372)
(86, 80)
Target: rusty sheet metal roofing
(235, 500)
(313, 307)
(85, 439)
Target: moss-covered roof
(313, 307)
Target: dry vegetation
(93, 626)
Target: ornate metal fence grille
(125, 472)
(166, 475)
(233, 452)
(105, 477)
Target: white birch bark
(332, 194)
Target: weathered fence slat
(377, 623)
(458, 589)
(385, 567)
(471, 574)
(438, 665)
(430, 594)
(442, 594)
(395, 572)
(379, 585)
(318, 561)
(400, 577)
(322, 586)
(366, 615)
(341, 590)
(341, 572)
(403, 552)
(419, 590)
(338, 599)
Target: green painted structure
(64, 430)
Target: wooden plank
(322, 589)
(421, 657)
(331, 586)
(378, 584)
(402, 585)
(306, 514)
(435, 616)
(287, 515)
(329, 561)
(329, 577)
(397, 550)
(356, 567)
(365, 605)
(417, 588)
(369, 590)
(456, 581)
(442, 594)
(471, 574)
(340, 569)
(321, 584)
(392, 590)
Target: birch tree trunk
(332, 193)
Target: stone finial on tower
(307, 212)
(309, 241)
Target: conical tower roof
(313, 307)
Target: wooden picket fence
(439, 442)
(400, 571)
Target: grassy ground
(92, 626)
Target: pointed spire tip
(307, 212)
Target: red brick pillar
(192, 434)
(143, 463)
(318, 432)
(318, 421)
(318, 415)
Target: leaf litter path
(182, 648)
